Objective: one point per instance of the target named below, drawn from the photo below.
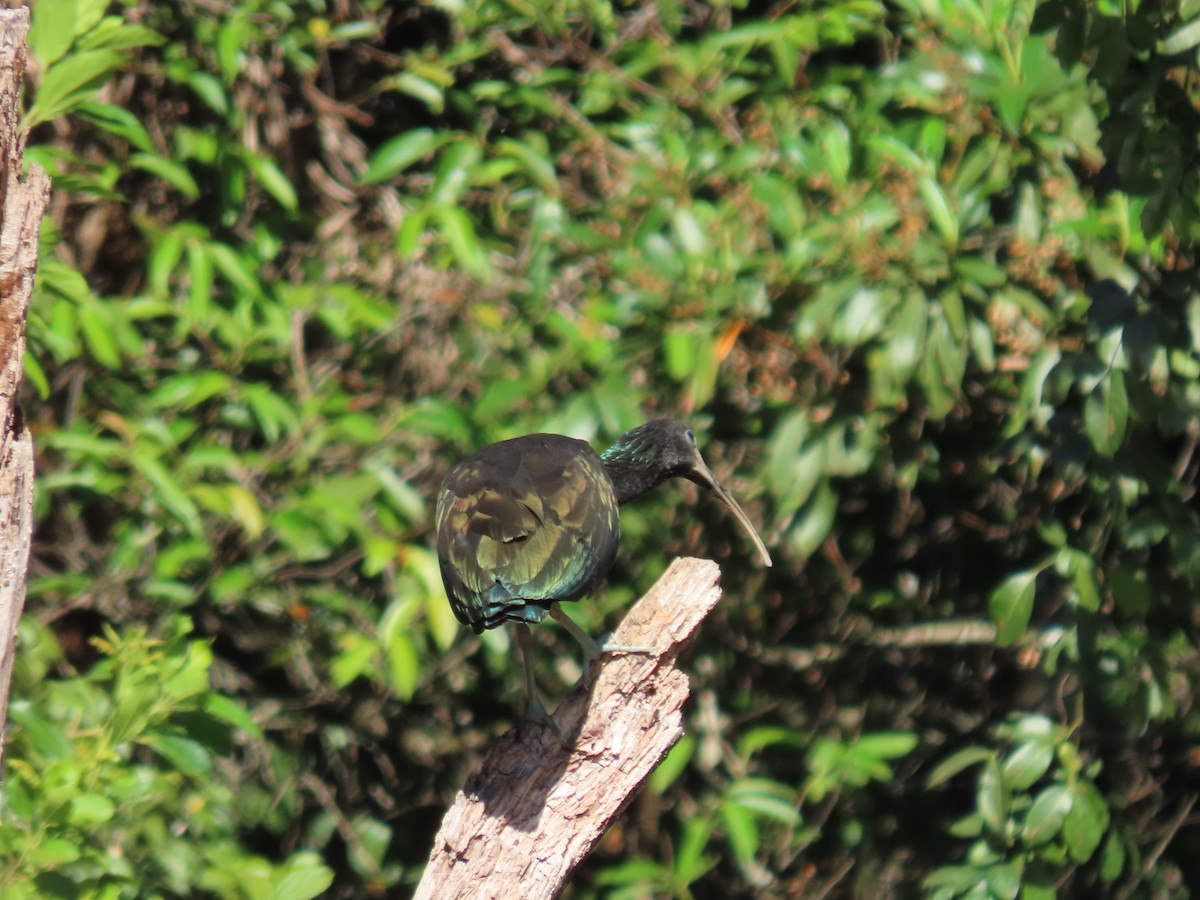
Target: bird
(528, 523)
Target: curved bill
(703, 476)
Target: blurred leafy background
(922, 275)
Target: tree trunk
(534, 809)
(22, 204)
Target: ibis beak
(703, 476)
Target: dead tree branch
(534, 809)
(21, 209)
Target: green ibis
(527, 523)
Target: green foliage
(126, 757)
(1037, 813)
(921, 275)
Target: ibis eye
(691, 437)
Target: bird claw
(591, 647)
(537, 713)
(604, 645)
(622, 648)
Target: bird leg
(593, 649)
(535, 711)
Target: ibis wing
(512, 541)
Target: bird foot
(591, 647)
(537, 713)
(607, 647)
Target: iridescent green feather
(523, 524)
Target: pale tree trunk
(21, 206)
(535, 809)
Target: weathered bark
(21, 206)
(534, 809)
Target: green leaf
(117, 121)
(769, 736)
(1112, 859)
(741, 831)
(534, 161)
(234, 267)
(681, 348)
(957, 762)
(767, 798)
(863, 316)
(89, 810)
(459, 232)
(991, 798)
(939, 208)
(168, 492)
(372, 840)
(208, 88)
(304, 876)
(403, 664)
(454, 172)
(795, 462)
(1082, 569)
(52, 853)
(356, 654)
(835, 151)
(1027, 764)
(98, 334)
(1106, 414)
(690, 860)
(1011, 605)
(232, 713)
(814, 521)
(400, 152)
(173, 173)
(234, 36)
(1004, 879)
(274, 182)
(673, 764)
(887, 744)
(70, 81)
(245, 509)
(906, 337)
(190, 676)
(1034, 727)
(1047, 815)
(1086, 822)
(959, 880)
(1131, 589)
(188, 756)
(689, 232)
(1183, 38)
(189, 389)
(115, 34)
(35, 375)
(52, 29)
(89, 14)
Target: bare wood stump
(21, 209)
(534, 809)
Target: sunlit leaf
(1106, 414)
(1047, 815)
(1086, 823)
(52, 29)
(304, 877)
(992, 797)
(1011, 605)
(400, 152)
(70, 81)
(1026, 765)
